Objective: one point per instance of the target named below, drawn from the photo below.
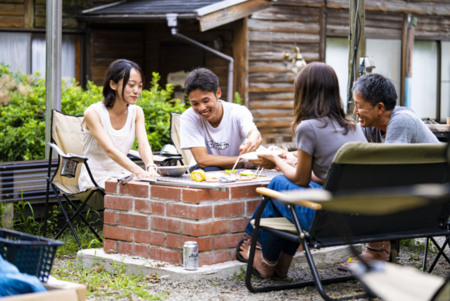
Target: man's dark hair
(375, 88)
(203, 79)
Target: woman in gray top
(321, 128)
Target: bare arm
(94, 125)
(204, 159)
(301, 174)
(144, 148)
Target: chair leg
(68, 222)
(440, 253)
(77, 213)
(317, 281)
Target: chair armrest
(69, 156)
(134, 153)
(301, 197)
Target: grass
(109, 285)
(101, 284)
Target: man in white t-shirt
(215, 131)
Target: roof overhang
(209, 13)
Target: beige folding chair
(175, 137)
(67, 142)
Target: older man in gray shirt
(384, 122)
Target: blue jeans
(209, 168)
(273, 245)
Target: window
(25, 52)
(445, 81)
(336, 55)
(424, 79)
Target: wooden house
(256, 34)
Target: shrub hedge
(22, 112)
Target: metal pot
(171, 171)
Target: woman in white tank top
(111, 126)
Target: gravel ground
(233, 288)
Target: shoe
(238, 251)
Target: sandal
(238, 251)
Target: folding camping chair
(360, 166)
(175, 138)
(67, 142)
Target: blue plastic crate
(31, 254)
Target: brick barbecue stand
(154, 221)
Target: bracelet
(150, 165)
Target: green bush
(22, 112)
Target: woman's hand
(262, 162)
(290, 158)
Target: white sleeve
(245, 121)
(191, 133)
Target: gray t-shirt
(322, 142)
(404, 127)
(225, 139)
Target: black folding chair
(359, 166)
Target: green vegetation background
(22, 112)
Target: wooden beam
(29, 14)
(356, 47)
(231, 14)
(409, 25)
(240, 55)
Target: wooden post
(357, 47)
(409, 28)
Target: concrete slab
(138, 265)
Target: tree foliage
(22, 112)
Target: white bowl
(171, 171)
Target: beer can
(190, 255)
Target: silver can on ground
(190, 255)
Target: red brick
(165, 255)
(229, 209)
(165, 224)
(227, 241)
(177, 242)
(118, 203)
(117, 233)
(110, 246)
(189, 211)
(110, 217)
(149, 237)
(213, 258)
(133, 220)
(111, 187)
(133, 249)
(165, 193)
(241, 192)
(238, 225)
(251, 206)
(149, 206)
(203, 229)
(135, 188)
(198, 196)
